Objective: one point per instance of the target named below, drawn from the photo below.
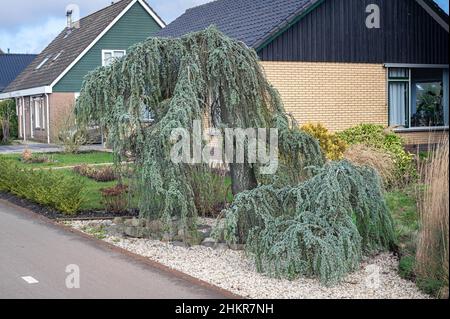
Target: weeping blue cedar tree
(207, 74)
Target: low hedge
(45, 187)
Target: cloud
(31, 39)
(29, 26)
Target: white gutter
(26, 92)
(47, 118)
(416, 66)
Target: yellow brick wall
(424, 138)
(339, 95)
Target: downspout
(24, 131)
(47, 118)
(31, 117)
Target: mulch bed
(54, 214)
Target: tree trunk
(242, 178)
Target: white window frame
(112, 55)
(37, 113)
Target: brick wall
(61, 106)
(424, 138)
(338, 95)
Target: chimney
(69, 19)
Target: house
(344, 62)
(11, 65)
(46, 90)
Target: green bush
(48, 188)
(331, 144)
(8, 121)
(383, 139)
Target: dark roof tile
(11, 65)
(249, 21)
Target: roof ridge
(103, 9)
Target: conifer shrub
(319, 228)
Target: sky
(28, 26)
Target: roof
(70, 45)
(246, 20)
(11, 65)
(252, 22)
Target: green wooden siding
(135, 26)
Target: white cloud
(29, 26)
(31, 39)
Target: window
(39, 117)
(108, 56)
(58, 55)
(42, 63)
(418, 97)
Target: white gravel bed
(231, 270)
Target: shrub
(71, 136)
(383, 139)
(380, 160)
(28, 158)
(433, 245)
(331, 144)
(210, 190)
(320, 227)
(8, 121)
(48, 188)
(115, 198)
(99, 174)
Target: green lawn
(403, 206)
(61, 159)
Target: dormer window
(108, 56)
(42, 63)
(58, 55)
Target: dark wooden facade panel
(336, 32)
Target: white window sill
(421, 129)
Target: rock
(116, 230)
(166, 237)
(154, 225)
(135, 232)
(209, 242)
(137, 222)
(205, 232)
(118, 220)
(128, 222)
(106, 223)
(236, 246)
(220, 246)
(180, 244)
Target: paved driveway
(34, 254)
(42, 148)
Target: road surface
(34, 254)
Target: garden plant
(309, 218)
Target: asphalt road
(35, 248)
